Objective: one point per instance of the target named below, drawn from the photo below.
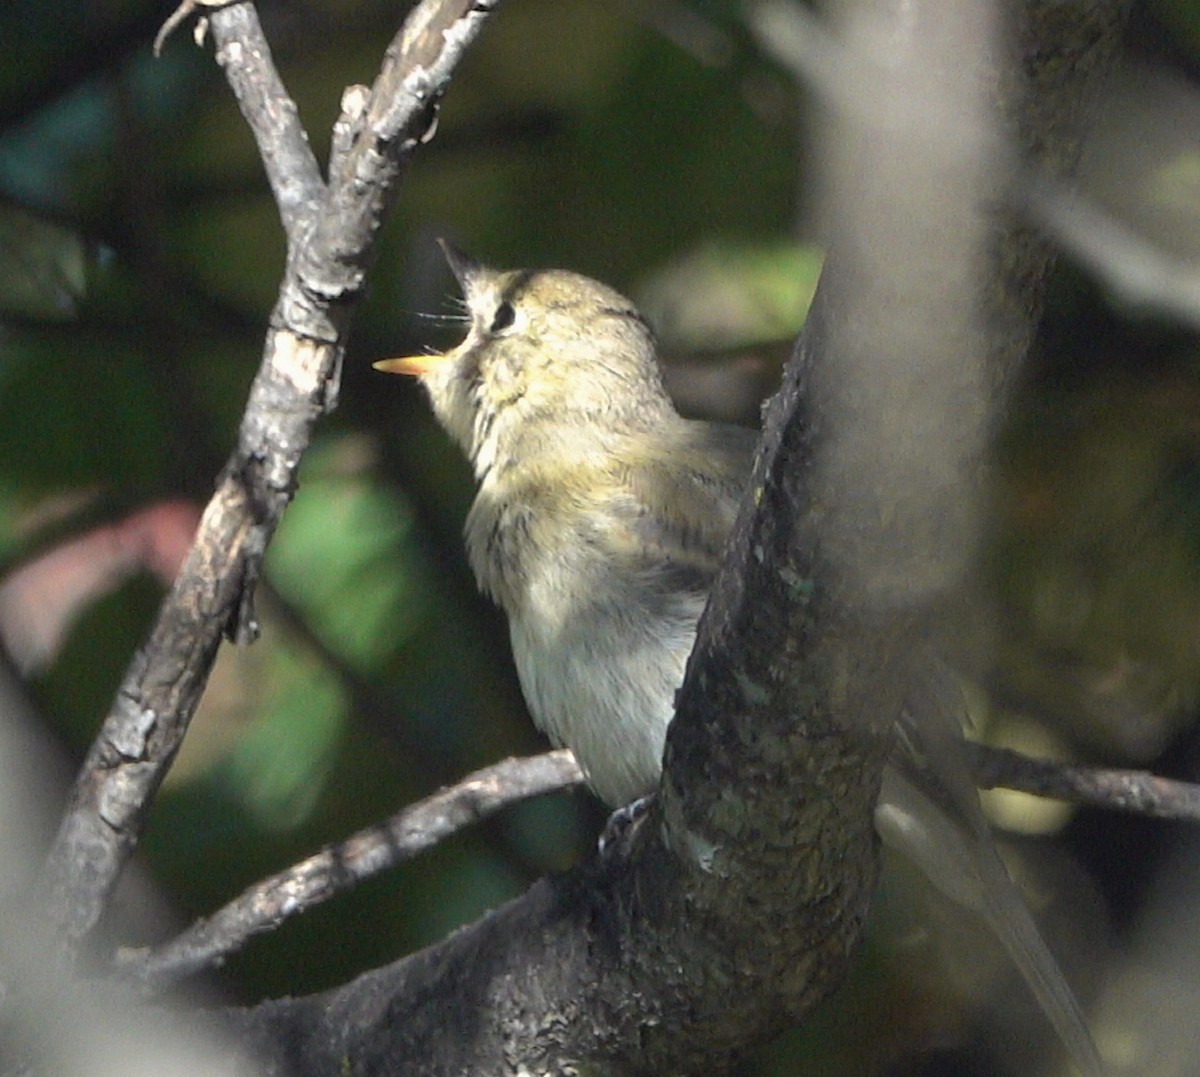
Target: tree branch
(268, 903)
(1136, 270)
(158, 695)
(341, 867)
(272, 116)
(1135, 791)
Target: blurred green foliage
(646, 143)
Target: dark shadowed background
(652, 144)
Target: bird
(599, 522)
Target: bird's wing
(678, 500)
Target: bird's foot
(622, 822)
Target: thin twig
(272, 116)
(343, 866)
(1136, 791)
(400, 114)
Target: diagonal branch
(272, 116)
(159, 693)
(1136, 270)
(341, 867)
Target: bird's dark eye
(504, 317)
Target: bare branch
(212, 595)
(1135, 791)
(341, 867)
(185, 10)
(271, 114)
(399, 115)
(1135, 269)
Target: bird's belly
(606, 691)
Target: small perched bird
(601, 513)
(598, 527)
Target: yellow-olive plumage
(601, 513)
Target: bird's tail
(929, 811)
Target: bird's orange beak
(413, 365)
